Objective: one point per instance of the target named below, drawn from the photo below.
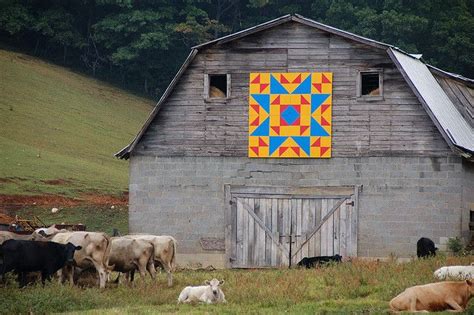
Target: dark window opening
(370, 84)
(218, 86)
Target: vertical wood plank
(251, 236)
(336, 235)
(245, 233)
(305, 226)
(324, 228)
(280, 232)
(299, 228)
(274, 248)
(232, 233)
(286, 229)
(318, 210)
(354, 221)
(257, 249)
(311, 225)
(342, 231)
(329, 230)
(268, 223)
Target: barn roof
(454, 128)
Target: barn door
(275, 230)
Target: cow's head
(214, 284)
(70, 249)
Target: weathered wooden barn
(293, 138)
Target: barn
(293, 138)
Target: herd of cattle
(70, 253)
(50, 250)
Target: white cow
(94, 253)
(164, 251)
(455, 272)
(46, 233)
(209, 293)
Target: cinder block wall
(403, 198)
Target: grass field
(357, 287)
(56, 125)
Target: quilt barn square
(290, 115)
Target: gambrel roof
(455, 129)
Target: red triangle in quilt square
(254, 149)
(304, 101)
(276, 101)
(297, 79)
(324, 150)
(282, 150)
(296, 150)
(256, 108)
(324, 122)
(325, 79)
(303, 129)
(324, 107)
(276, 129)
(263, 87)
(317, 86)
(256, 80)
(283, 79)
(316, 143)
(283, 122)
(256, 122)
(262, 143)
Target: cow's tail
(108, 248)
(174, 242)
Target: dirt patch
(13, 202)
(5, 219)
(58, 181)
(5, 180)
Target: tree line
(140, 44)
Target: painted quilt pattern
(290, 115)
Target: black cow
(425, 248)
(28, 256)
(310, 262)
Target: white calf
(455, 272)
(209, 293)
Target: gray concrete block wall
(403, 198)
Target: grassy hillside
(59, 130)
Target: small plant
(455, 245)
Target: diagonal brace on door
(318, 227)
(263, 226)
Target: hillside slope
(59, 130)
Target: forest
(139, 44)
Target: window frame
(207, 81)
(359, 85)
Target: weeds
(352, 287)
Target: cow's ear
(207, 282)
(221, 282)
(78, 247)
(469, 282)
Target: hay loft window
(370, 84)
(216, 86)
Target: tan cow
(6, 235)
(452, 296)
(164, 251)
(94, 253)
(128, 255)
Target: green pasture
(357, 287)
(56, 124)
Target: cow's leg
(456, 308)
(167, 267)
(22, 279)
(142, 270)
(132, 275)
(151, 269)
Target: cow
(455, 272)
(164, 251)
(209, 293)
(425, 248)
(28, 256)
(94, 253)
(6, 235)
(128, 255)
(452, 296)
(46, 233)
(311, 262)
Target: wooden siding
(461, 95)
(187, 125)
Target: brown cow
(452, 296)
(165, 251)
(128, 255)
